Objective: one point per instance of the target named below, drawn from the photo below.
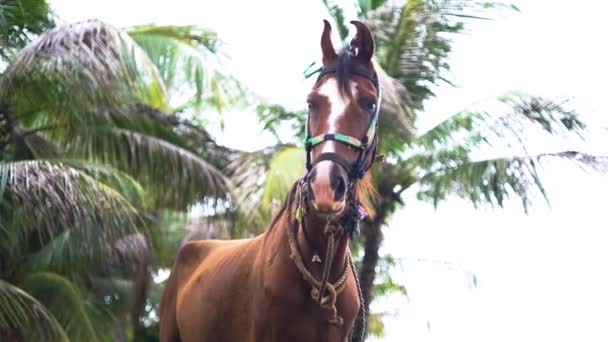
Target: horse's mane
(367, 193)
(286, 205)
(343, 73)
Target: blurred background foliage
(104, 152)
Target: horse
(296, 281)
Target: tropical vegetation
(103, 151)
(95, 152)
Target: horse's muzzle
(327, 185)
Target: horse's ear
(362, 45)
(329, 53)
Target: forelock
(343, 73)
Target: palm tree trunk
(140, 293)
(385, 204)
(372, 233)
(120, 329)
(6, 128)
(10, 335)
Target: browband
(353, 70)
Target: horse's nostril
(340, 189)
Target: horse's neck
(290, 296)
(316, 244)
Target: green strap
(334, 136)
(372, 129)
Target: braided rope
(318, 288)
(326, 302)
(358, 336)
(330, 232)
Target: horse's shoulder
(193, 252)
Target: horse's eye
(371, 106)
(312, 107)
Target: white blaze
(337, 108)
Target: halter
(323, 292)
(356, 170)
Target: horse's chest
(298, 319)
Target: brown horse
(295, 282)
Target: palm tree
(92, 148)
(413, 45)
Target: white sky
(541, 277)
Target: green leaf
(262, 179)
(190, 62)
(337, 14)
(176, 177)
(22, 312)
(81, 66)
(18, 25)
(57, 197)
(275, 118)
(376, 325)
(65, 301)
(285, 168)
(122, 182)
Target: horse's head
(342, 121)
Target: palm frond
(26, 317)
(262, 179)
(413, 41)
(45, 198)
(48, 130)
(65, 301)
(123, 183)
(284, 169)
(512, 122)
(189, 61)
(65, 256)
(452, 128)
(385, 283)
(443, 157)
(82, 66)
(367, 6)
(275, 118)
(176, 177)
(19, 19)
(491, 181)
(62, 255)
(396, 120)
(337, 14)
(546, 114)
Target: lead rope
(358, 336)
(318, 288)
(330, 232)
(326, 302)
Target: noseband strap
(331, 156)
